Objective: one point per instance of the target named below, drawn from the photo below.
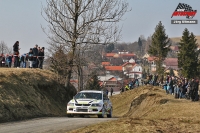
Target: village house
(168, 62)
(171, 63)
(111, 81)
(167, 70)
(152, 63)
(129, 68)
(145, 57)
(113, 68)
(125, 56)
(174, 49)
(132, 70)
(105, 64)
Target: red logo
(184, 10)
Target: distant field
(177, 39)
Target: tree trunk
(68, 77)
(81, 78)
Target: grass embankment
(30, 93)
(149, 109)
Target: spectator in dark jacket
(35, 54)
(2, 60)
(111, 91)
(41, 58)
(194, 89)
(170, 85)
(16, 53)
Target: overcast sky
(21, 20)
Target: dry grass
(177, 39)
(29, 93)
(149, 109)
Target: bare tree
(82, 22)
(148, 42)
(3, 47)
(142, 37)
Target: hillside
(148, 109)
(177, 39)
(30, 93)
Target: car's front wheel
(103, 113)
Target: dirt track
(50, 125)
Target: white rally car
(90, 102)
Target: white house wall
(137, 69)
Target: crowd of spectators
(131, 85)
(33, 59)
(180, 87)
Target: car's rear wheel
(110, 114)
(103, 113)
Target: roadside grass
(148, 109)
(29, 93)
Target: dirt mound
(30, 93)
(148, 109)
(146, 101)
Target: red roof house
(105, 63)
(113, 68)
(171, 62)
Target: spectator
(197, 90)
(16, 53)
(137, 82)
(170, 86)
(2, 60)
(23, 61)
(122, 89)
(176, 91)
(194, 89)
(41, 58)
(127, 87)
(155, 80)
(111, 91)
(9, 60)
(26, 60)
(182, 87)
(30, 57)
(35, 54)
(165, 87)
(107, 91)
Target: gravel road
(49, 125)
